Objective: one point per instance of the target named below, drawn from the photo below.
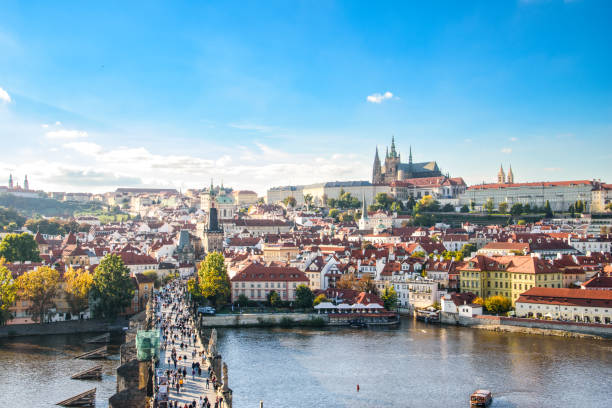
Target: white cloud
(44, 126)
(86, 148)
(4, 96)
(252, 126)
(66, 134)
(513, 139)
(378, 98)
(58, 123)
(506, 150)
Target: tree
(153, 274)
(320, 299)
(39, 286)
(464, 209)
(347, 281)
(10, 219)
(498, 304)
(19, 248)
(448, 208)
(396, 207)
(366, 284)
(489, 206)
(382, 201)
(112, 289)
(548, 210)
(572, 210)
(273, 298)
(467, 250)
(304, 297)
(334, 212)
(308, 200)
(8, 291)
(290, 201)
(78, 285)
(516, 209)
(214, 281)
(389, 298)
(410, 204)
(503, 207)
(346, 217)
(426, 204)
(479, 301)
(609, 207)
(243, 299)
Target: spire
(410, 156)
(387, 153)
(393, 152)
(10, 181)
(26, 185)
(501, 176)
(376, 170)
(510, 176)
(364, 212)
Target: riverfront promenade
(195, 388)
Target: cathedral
(393, 169)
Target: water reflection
(413, 366)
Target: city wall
(67, 327)
(256, 319)
(530, 326)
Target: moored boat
(481, 398)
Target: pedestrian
(207, 384)
(357, 387)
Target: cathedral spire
(364, 211)
(393, 152)
(410, 156)
(376, 169)
(510, 176)
(501, 176)
(26, 185)
(10, 181)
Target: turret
(510, 176)
(501, 176)
(26, 185)
(10, 183)
(376, 170)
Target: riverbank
(264, 320)
(530, 326)
(67, 327)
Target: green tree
(8, 291)
(40, 287)
(516, 209)
(389, 298)
(489, 206)
(346, 217)
(334, 213)
(609, 207)
(308, 200)
(290, 201)
(304, 297)
(19, 248)
(320, 299)
(467, 250)
(410, 204)
(498, 304)
(78, 286)
(153, 274)
(547, 210)
(112, 289)
(572, 210)
(472, 205)
(214, 281)
(382, 201)
(242, 299)
(465, 209)
(503, 207)
(396, 207)
(448, 208)
(10, 219)
(273, 298)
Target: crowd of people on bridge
(177, 335)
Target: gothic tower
(26, 185)
(10, 181)
(213, 234)
(501, 176)
(376, 171)
(510, 176)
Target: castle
(394, 169)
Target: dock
(94, 373)
(84, 399)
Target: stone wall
(68, 327)
(533, 326)
(255, 319)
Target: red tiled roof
(536, 184)
(258, 272)
(570, 297)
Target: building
(589, 306)
(185, 252)
(245, 198)
(212, 237)
(221, 199)
(256, 281)
(321, 192)
(439, 188)
(507, 276)
(280, 252)
(393, 169)
(560, 194)
(601, 197)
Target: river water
(414, 365)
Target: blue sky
(259, 94)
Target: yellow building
(280, 252)
(507, 276)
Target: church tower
(10, 181)
(213, 234)
(376, 171)
(510, 176)
(501, 176)
(26, 185)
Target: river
(414, 365)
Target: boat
(481, 398)
(358, 324)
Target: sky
(100, 95)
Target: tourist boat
(428, 316)
(481, 398)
